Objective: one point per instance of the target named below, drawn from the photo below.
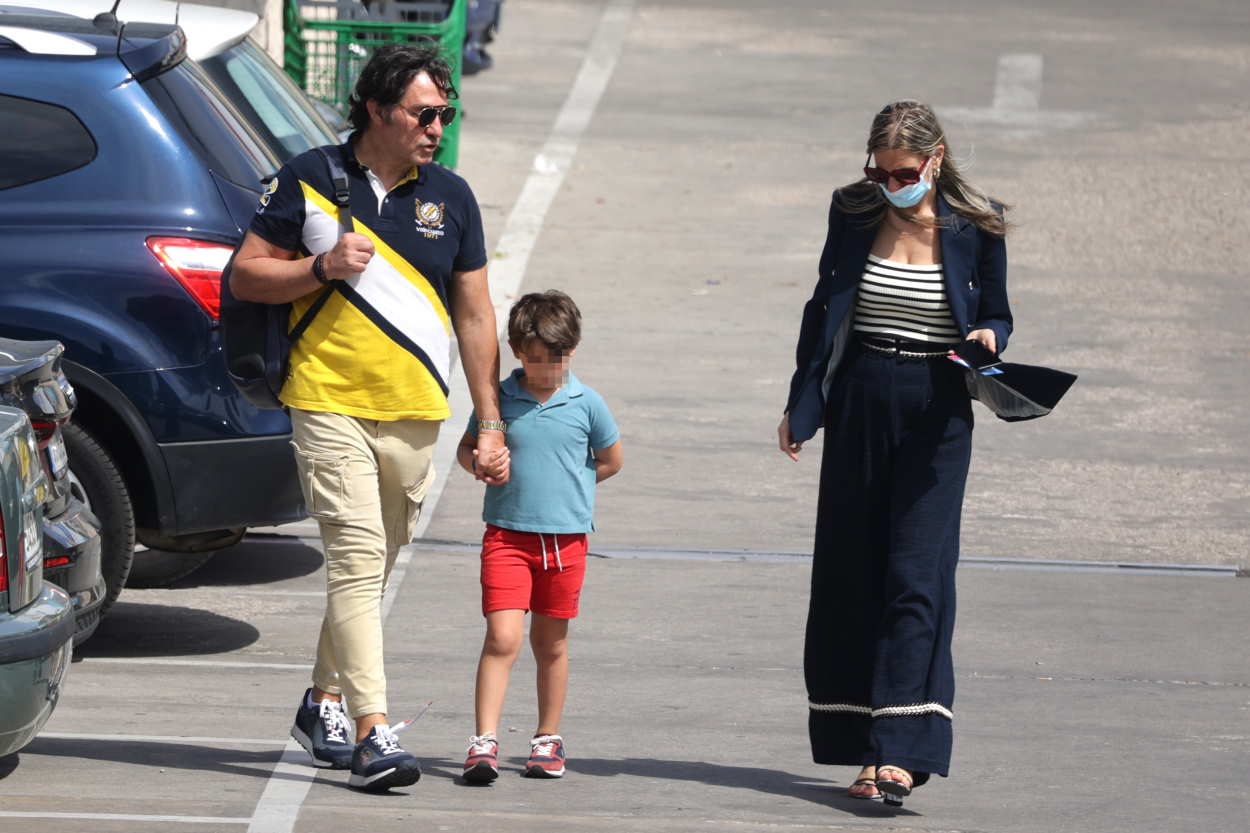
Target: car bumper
(35, 648)
(72, 547)
(230, 483)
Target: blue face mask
(908, 195)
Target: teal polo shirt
(552, 483)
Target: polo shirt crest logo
(270, 189)
(430, 219)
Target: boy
(561, 441)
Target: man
(367, 389)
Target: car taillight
(56, 561)
(45, 429)
(197, 265)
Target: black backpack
(255, 337)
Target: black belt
(905, 347)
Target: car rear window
(281, 113)
(211, 124)
(40, 140)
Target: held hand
(493, 458)
(785, 441)
(494, 468)
(986, 338)
(349, 256)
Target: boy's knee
(550, 656)
(548, 651)
(502, 643)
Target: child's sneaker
(322, 728)
(379, 763)
(546, 757)
(481, 764)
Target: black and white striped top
(904, 301)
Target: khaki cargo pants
(363, 481)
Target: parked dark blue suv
(126, 177)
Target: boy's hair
(551, 317)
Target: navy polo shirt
(381, 346)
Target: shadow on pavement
(261, 559)
(430, 768)
(256, 764)
(7, 764)
(769, 781)
(147, 630)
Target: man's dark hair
(388, 73)
(550, 317)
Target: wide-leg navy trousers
(877, 660)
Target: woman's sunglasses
(905, 176)
(426, 115)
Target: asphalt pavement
(688, 151)
(1086, 702)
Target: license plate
(58, 461)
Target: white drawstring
(556, 538)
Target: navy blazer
(974, 265)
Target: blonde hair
(914, 127)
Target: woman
(914, 262)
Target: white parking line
(199, 663)
(19, 814)
(1016, 106)
(194, 740)
(553, 161)
(1018, 84)
(280, 803)
(288, 785)
(234, 591)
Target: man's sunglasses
(905, 176)
(426, 115)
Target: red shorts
(514, 576)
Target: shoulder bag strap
(342, 186)
(342, 199)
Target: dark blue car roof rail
(146, 49)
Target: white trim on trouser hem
(840, 707)
(913, 710)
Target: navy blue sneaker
(323, 730)
(379, 763)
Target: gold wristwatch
(492, 425)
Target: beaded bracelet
(318, 269)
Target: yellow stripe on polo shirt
(345, 362)
(383, 250)
(314, 196)
(406, 269)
